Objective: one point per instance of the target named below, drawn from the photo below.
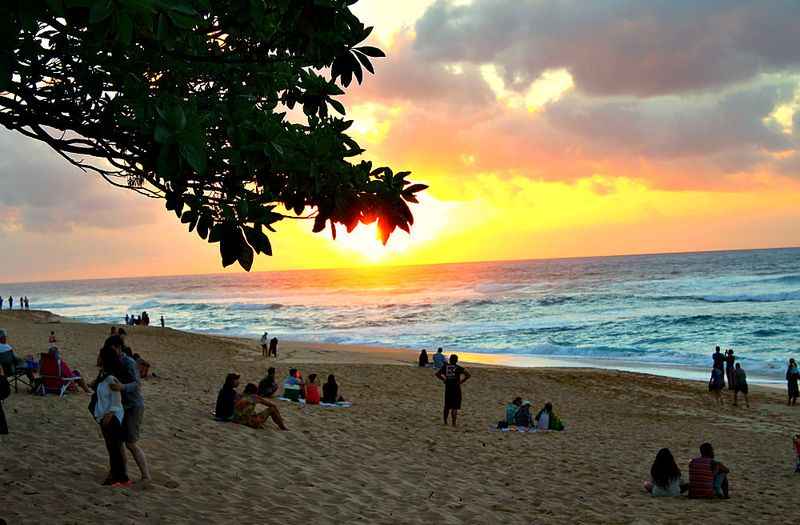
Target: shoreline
(409, 356)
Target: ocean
(652, 312)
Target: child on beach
(312, 390)
(796, 442)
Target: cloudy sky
(544, 128)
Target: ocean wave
(248, 307)
(475, 302)
(785, 279)
(767, 332)
(555, 300)
(753, 298)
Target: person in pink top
(312, 390)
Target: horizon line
(345, 268)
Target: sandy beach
(388, 459)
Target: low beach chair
(15, 372)
(50, 379)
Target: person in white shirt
(265, 345)
(109, 414)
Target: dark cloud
(618, 47)
(41, 192)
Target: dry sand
(388, 459)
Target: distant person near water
(273, 347)
(665, 476)
(740, 385)
(265, 345)
(439, 360)
(708, 478)
(453, 376)
(10, 303)
(27, 304)
(162, 322)
(423, 358)
(792, 376)
(1, 304)
(719, 359)
(730, 359)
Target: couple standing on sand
(118, 407)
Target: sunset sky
(544, 129)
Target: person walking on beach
(740, 385)
(730, 372)
(792, 376)
(265, 345)
(132, 402)
(453, 376)
(273, 347)
(716, 384)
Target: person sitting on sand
(707, 477)
(293, 386)
(423, 358)
(665, 476)
(268, 386)
(66, 372)
(438, 359)
(245, 410)
(546, 419)
(792, 376)
(226, 399)
(716, 384)
(9, 361)
(453, 376)
(740, 385)
(330, 391)
(523, 417)
(312, 390)
(511, 410)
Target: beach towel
(514, 428)
(302, 402)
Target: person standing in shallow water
(453, 376)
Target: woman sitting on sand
(312, 390)
(665, 476)
(245, 410)
(226, 399)
(546, 419)
(330, 391)
(423, 358)
(268, 386)
(511, 410)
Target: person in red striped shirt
(707, 477)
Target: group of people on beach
(23, 303)
(243, 408)
(518, 414)
(726, 368)
(142, 319)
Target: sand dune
(388, 459)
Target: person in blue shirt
(438, 359)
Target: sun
(365, 242)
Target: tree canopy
(227, 109)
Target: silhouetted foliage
(226, 109)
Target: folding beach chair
(50, 378)
(15, 372)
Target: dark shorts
(452, 398)
(132, 423)
(740, 388)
